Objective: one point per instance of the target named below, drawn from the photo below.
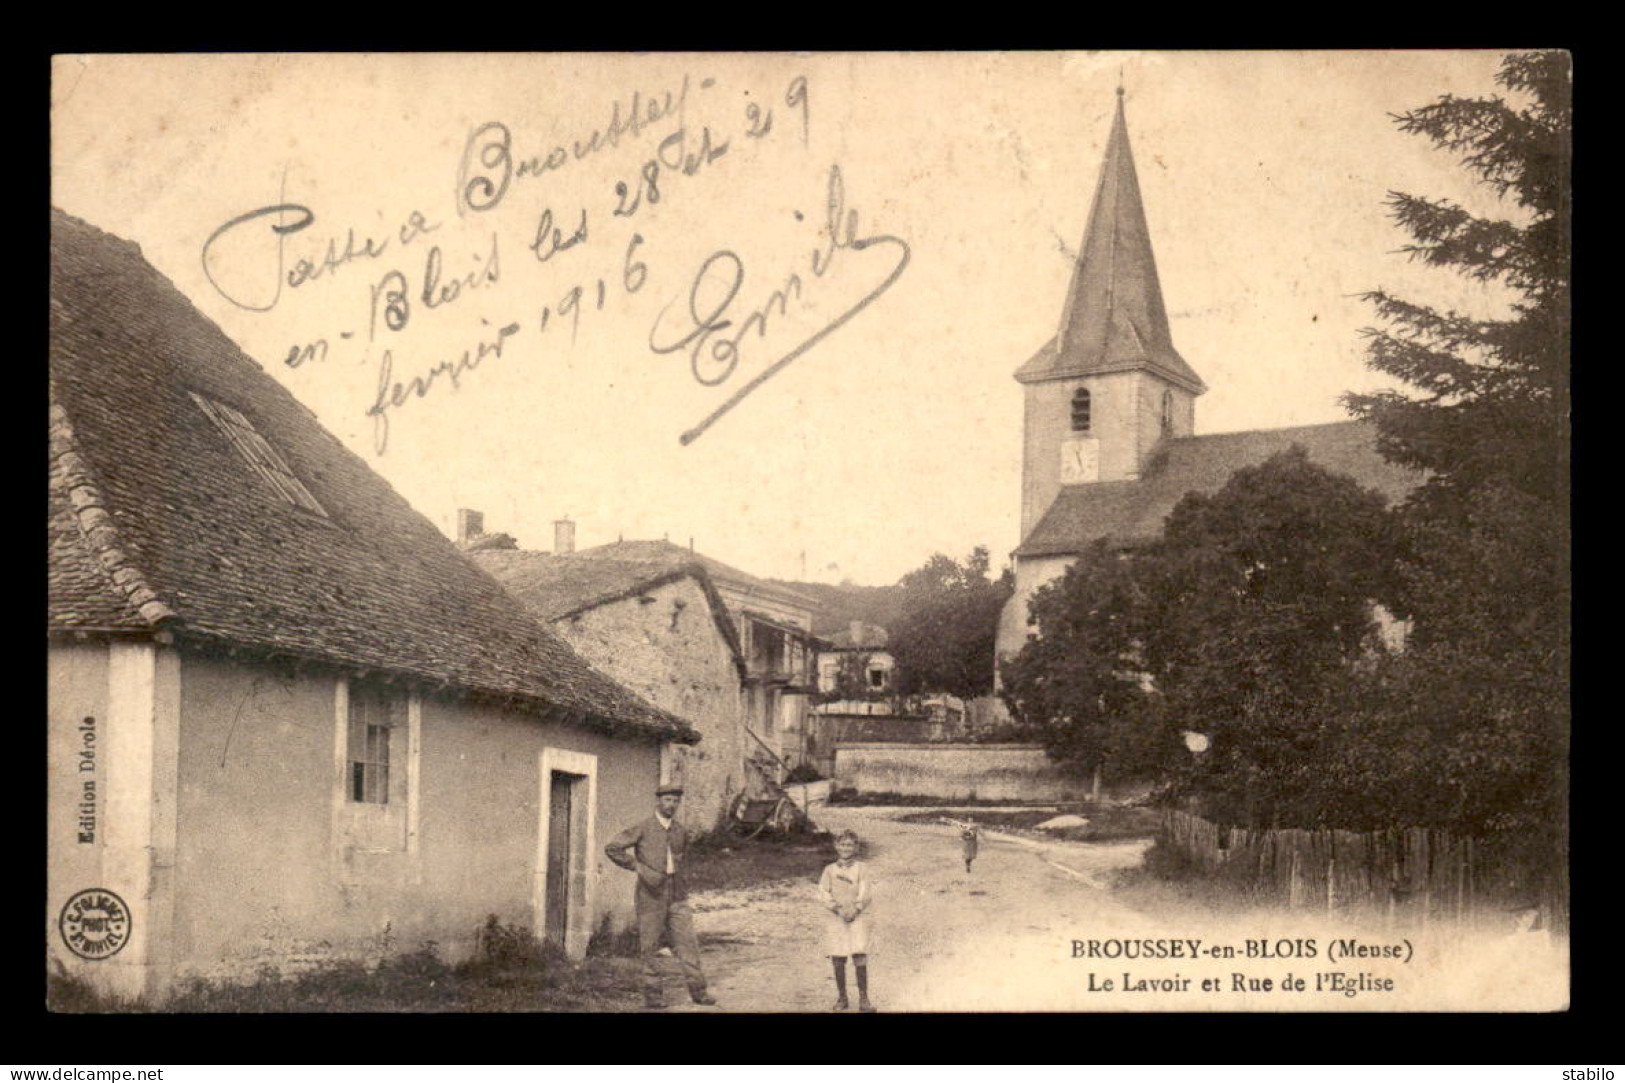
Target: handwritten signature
(714, 354)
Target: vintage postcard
(714, 533)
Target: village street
(1001, 939)
(996, 939)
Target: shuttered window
(1080, 410)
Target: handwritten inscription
(393, 394)
(255, 259)
(714, 352)
(395, 292)
(292, 218)
(550, 239)
(488, 166)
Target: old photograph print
(891, 532)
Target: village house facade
(662, 630)
(1109, 443)
(772, 627)
(287, 720)
(863, 648)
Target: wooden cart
(749, 817)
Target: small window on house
(257, 453)
(828, 670)
(877, 678)
(1080, 410)
(1167, 411)
(375, 721)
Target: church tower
(1104, 392)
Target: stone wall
(954, 772)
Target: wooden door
(559, 853)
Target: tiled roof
(1117, 353)
(1130, 513)
(556, 586)
(870, 637)
(1114, 318)
(158, 521)
(673, 556)
(795, 631)
(81, 590)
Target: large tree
(949, 616)
(1484, 406)
(1470, 728)
(1080, 683)
(1249, 617)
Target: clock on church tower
(1080, 460)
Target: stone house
(863, 644)
(287, 720)
(662, 630)
(774, 627)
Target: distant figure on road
(655, 849)
(969, 833)
(844, 887)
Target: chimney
(855, 630)
(470, 525)
(564, 536)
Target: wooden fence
(1414, 873)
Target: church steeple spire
(1114, 319)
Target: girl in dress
(844, 888)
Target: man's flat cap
(670, 787)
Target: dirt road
(1001, 938)
(944, 940)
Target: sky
(790, 341)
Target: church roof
(1114, 319)
(191, 494)
(1130, 513)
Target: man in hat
(655, 850)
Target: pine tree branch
(1449, 236)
